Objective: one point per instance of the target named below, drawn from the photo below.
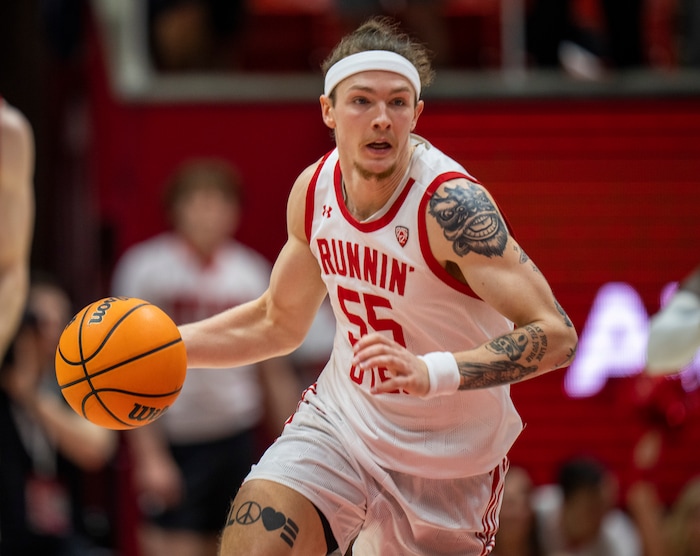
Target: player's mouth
(378, 146)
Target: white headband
(371, 60)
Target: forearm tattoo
(569, 357)
(484, 375)
(524, 348)
(567, 321)
(470, 221)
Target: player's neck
(365, 193)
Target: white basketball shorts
(387, 513)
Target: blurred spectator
(195, 35)
(579, 517)
(46, 448)
(64, 25)
(673, 531)
(188, 465)
(674, 332)
(422, 18)
(16, 217)
(666, 409)
(689, 18)
(555, 37)
(682, 526)
(518, 533)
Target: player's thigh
(270, 519)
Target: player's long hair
(383, 33)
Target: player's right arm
(16, 217)
(277, 322)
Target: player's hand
(405, 371)
(159, 484)
(21, 379)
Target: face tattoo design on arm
(470, 221)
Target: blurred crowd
(585, 37)
(580, 36)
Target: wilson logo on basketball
(101, 310)
(145, 413)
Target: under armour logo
(326, 211)
(401, 235)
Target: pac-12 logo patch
(401, 235)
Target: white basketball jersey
(381, 277)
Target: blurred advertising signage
(613, 341)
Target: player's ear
(327, 111)
(416, 114)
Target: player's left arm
(469, 237)
(469, 234)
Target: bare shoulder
(14, 125)
(16, 145)
(296, 204)
(301, 184)
(463, 218)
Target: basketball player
(402, 443)
(16, 217)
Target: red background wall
(597, 190)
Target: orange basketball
(120, 362)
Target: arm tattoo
(484, 375)
(470, 221)
(567, 321)
(539, 343)
(512, 345)
(528, 343)
(524, 258)
(569, 357)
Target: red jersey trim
(373, 225)
(310, 193)
(433, 263)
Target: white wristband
(442, 372)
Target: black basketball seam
(116, 366)
(119, 390)
(84, 361)
(104, 341)
(134, 393)
(83, 364)
(108, 335)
